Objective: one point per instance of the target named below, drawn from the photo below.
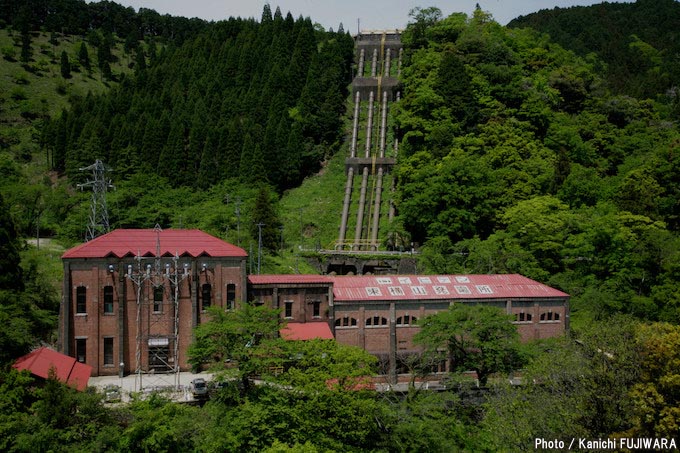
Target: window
(206, 295)
(108, 351)
(376, 321)
(288, 309)
(108, 299)
(345, 321)
(550, 316)
(81, 299)
(157, 299)
(523, 317)
(406, 320)
(316, 309)
(231, 296)
(81, 350)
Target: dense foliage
(78, 17)
(259, 101)
(614, 380)
(637, 42)
(28, 303)
(516, 157)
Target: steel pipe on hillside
(360, 211)
(345, 207)
(355, 125)
(401, 53)
(379, 178)
(360, 69)
(364, 179)
(369, 125)
(374, 63)
(383, 124)
(376, 209)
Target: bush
(9, 53)
(18, 94)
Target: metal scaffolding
(157, 284)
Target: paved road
(175, 387)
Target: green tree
(234, 337)
(84, 57)
(265, 214)
(656, 396)
(26, 48)
(65, 66)
(10, 269)
(474, 337)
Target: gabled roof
(67, 369)
(433, 287)
(306, 331)
(128, 243)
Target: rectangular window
(81, 299)
(231, 296)
(108, 351)
(81, 349)
(206, 295)
(108, 299)
(288, 309)
(316, 307)
(157, 299)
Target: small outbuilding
(66, 369)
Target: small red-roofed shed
(306, 331)
(66, 368)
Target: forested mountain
(78, 17)
(258, 101)
(638, 42)
(516, 157)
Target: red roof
(67, 369)
(283, 279)
(306, 331)
(433, 287)
(122, 243)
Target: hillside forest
(548, 148)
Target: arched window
(550, 316)
(406, 320)
(523, 317)
(345, 321)
(376, 321)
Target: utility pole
(238, 221)
(259, 246)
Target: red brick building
(132, 298)
(379, 313)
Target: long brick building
(132, 298)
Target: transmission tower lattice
(99, 215)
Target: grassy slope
(29, 92)
(311, 213)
